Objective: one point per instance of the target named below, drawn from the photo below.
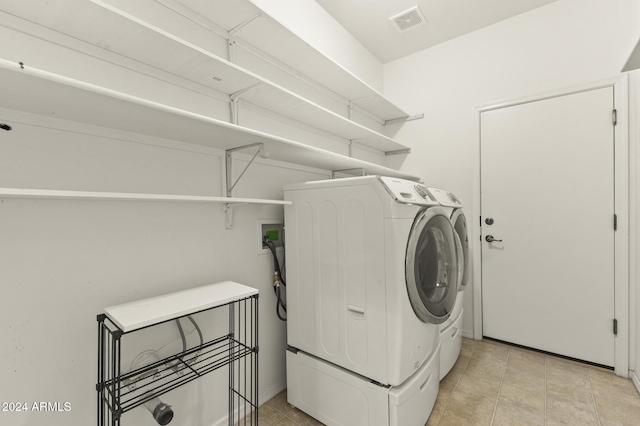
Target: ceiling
(368, 21)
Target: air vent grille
(408, 19)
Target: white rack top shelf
(41, 92)
(124, 196)
(142, 313)
(182, 58)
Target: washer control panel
(406, 191)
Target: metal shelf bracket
(398, 152)
(232, 36)
(228, 214)
(228, 208)
(404, 119)
(234, 98)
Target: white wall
(563, 44)
(63, 261)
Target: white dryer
(371, 272)
(450, 330)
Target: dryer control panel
(406, 191)
(445, 198)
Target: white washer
(355, 318)
(451, 329)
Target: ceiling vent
(408, 19)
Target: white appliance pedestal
(338, 397)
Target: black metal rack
(120, 392)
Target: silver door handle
(490, 239)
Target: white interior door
(547, 184)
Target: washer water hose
(278, 279)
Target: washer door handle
(490, 239)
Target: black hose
(280, 304)
(278, 296)
(272, 248)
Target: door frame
(624, 168)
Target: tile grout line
(495, 406)
(444, 408)
(284, 416)
(593, 397)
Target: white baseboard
(468, 334)
(263, 397)
(635, 380)
(267, 394)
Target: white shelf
(189, 61)
(125, 196)
(281, 101)
(285, 46)
(142, 313)
(40, 92)
(273, 38)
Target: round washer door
(460, 226)
(430, 266)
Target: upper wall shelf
(40, 92)
(230, 202)
(126, 196)
(285, 46)
(180, 57)
(271, 37)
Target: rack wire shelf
(120, 392)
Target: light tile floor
(498, 384)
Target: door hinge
(615, 326)
(480, 220)
(614, 116)
(615, 222)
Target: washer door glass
(431, 266)
(460, 226)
